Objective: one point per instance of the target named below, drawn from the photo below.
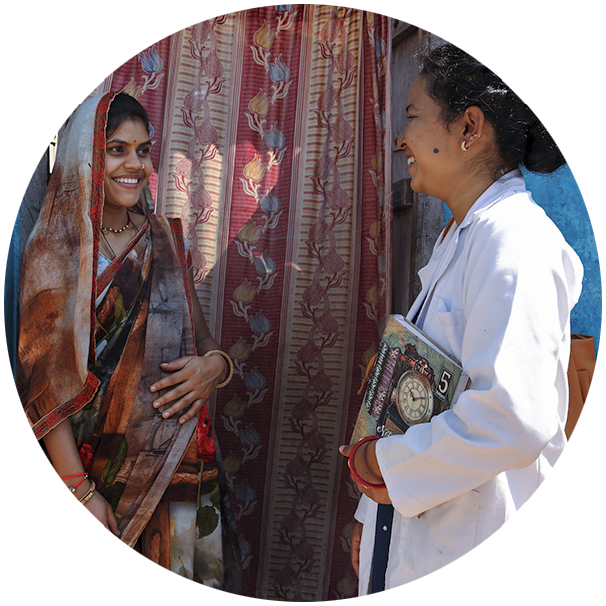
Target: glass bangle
(354, 471)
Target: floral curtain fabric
(272, 143)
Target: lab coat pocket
(452, 324)
(444, 533)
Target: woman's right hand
(103, 511)
(356, 539)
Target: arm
(63, 452)
(194, 378)
(511, 335)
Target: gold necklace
(107, 230)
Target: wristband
(354, 471)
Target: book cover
(412, 380)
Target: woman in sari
(116, 362)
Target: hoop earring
(463, 148)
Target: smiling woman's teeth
(126, 180)
(410, 160)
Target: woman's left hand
(367, 465)
(194, 378)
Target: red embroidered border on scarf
(97, 199)
(44, 425)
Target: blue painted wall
(559, 195)
(561, 199)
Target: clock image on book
(410, 380)
(414, 398)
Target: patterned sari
(90, 347)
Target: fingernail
(165, 415)
(152, 388)
(341, 449)
(156, 404)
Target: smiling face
(128, 164)
(432, 150)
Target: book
(412, 380)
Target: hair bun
(542, 155)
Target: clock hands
(417, 398)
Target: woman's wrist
(370, 460)
(213, 355)
(76, 482)
(81, 489)
(228, 369)
(363, 464)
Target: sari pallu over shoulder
(57, 277)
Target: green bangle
(230, 366)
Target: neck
(465, 193)
(114, 217)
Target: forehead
(132, 129)
(418, 97)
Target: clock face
(414, 398)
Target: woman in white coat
(497, 293)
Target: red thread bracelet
(82, 476)
(73, 488)
(354, 471)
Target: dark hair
(457, 81)
(124, 107)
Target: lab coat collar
(444, 250)
(510, 183)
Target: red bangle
(354, 471)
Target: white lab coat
(497, 293)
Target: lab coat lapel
(443, 254)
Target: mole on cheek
(436, 150)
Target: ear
(473, 121)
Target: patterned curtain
(273, 146)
